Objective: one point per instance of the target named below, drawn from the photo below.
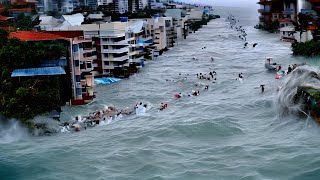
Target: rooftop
(34, 36)
(43, 71)
(4, 18)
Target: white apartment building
(156, 4)
(66, 6)
(122, 6)
(104, 2)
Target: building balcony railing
(134, 53)
(116, 51)
(86, 50)
(86, 70)
(123, 42)
(122, 58)
(147, 38)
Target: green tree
(24, 22)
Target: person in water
(177, 96)
(279, 68)
(163, 106)
(289, 69)
(262, 88)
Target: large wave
(301, 76)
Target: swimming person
(262, 88)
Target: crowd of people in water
(111, 113)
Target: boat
(272, 66)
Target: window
(77, 63)
(84, 90)
(89, 64)
(106, 63)
(78, 78)
(75, 48)
(82, 66)
(79, 91)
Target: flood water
(230, 131)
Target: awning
(106, 80)
(45, 71)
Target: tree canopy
(26, 97)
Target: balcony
(137, 60)
(119, 59)
(146, 38)
(86, 50)
(122, 42)
(116, 51)
(88, 58)
(130, 39)
(122, 58)
(134, 53)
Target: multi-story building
(44, 6)
(79, 65)
(66, 6)
(156, 4)
(121, 6)
(170, 31)
(82, 62)
(157, 28)
(179, 20)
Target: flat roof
(43, 71)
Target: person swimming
(163, 106)
(178, 95)
(262, 88)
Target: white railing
(117, 51)
(122, 58)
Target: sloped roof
(34, 36)
(45, 71)
(20, 10)
(75, 19)
(136, 26)
(48, 20)
(4, 18)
